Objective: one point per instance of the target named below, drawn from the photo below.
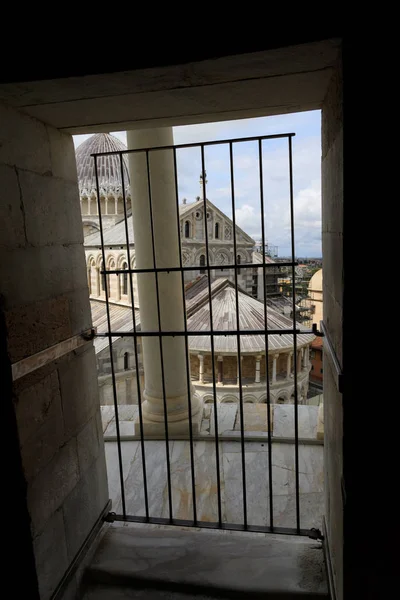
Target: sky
(306, 147)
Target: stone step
(173, 563)
(108, 592)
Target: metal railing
(238, 333)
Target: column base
(176, 429)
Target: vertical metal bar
(296, 417)
(160, 339)
(238, 340)
(203, 171)
(121, 472)
(271, 505)
(146, 500)
(186, 345)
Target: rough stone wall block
(332, 244)
(45, 301)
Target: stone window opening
(217, 231)
(337, 542)
(102, 278)
(238, 260)
(202, 264)
(126, 361)
(125, 280)
(187, 229)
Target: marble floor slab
(284, 417)
(230, 497)
(226, 417)
(205, 478)
(229, 422)
(255, 418)
(228, 566)
(156, 478)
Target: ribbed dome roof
(108, 167)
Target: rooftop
(108, 167)
(114, 236)
(251, 317)
(120, 318)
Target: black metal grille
(238, 333)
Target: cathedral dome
(315, 283)
(108, 167)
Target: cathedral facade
(194, 218)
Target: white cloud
(307, 206)
(306, 175)
(248, 219)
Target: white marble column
(288, 365)
(116, 204)
(258, 369)
(166, 241)
(88, 206)
(201, 368)
(276, 356)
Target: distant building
(315, 297)
(316, 354)
(192, 231)
(194, 217)
(109, 180)
(313, 304)
(252, 349)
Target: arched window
(238, 260)
(102, 278)
(125, 280)
(217, 231)
(126, 361)
(202, 263)
(89, 274)
(187, 229)
(111, 279)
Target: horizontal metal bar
(212, 525)
(199, 144)
(199, 267)
(38, 360)
(336, 368)
(242, 332)
(221, 437)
